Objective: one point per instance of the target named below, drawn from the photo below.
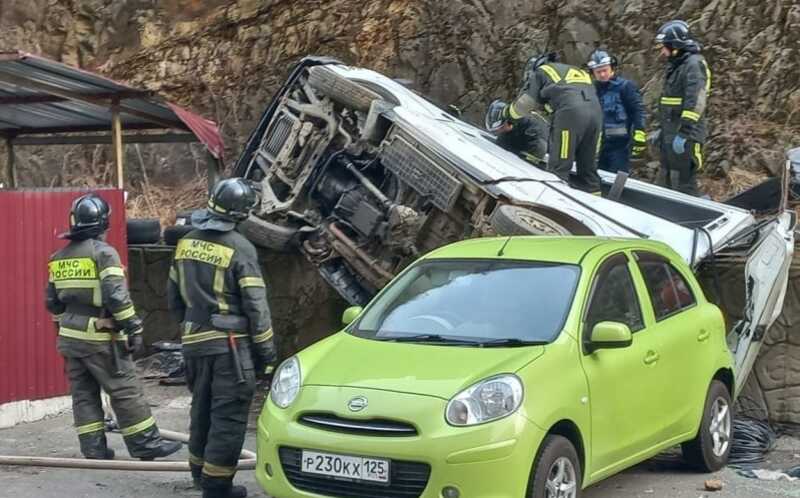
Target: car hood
(344, 360)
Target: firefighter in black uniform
(217, 292)
(527, 137)
(97, 330)
(682, 108)
(568, 94)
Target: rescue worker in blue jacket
(682, 107)
(623, 114)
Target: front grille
(407, 480)
(421, 173)
(371, 427)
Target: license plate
(347, 467)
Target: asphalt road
(664, 476)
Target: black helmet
(675, 35)
(535, 63)
(88, 217)
(494, 120)
(600, 58)
(232, 199)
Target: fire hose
(247, 460)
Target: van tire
(144, 231)
(340, 89)
(509, 219)
(268, 235)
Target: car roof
(555, 249)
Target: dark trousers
(615, 155)
(574, 138)
(679, 171)
(87, 375)
(220, 408)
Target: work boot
(164, 449)
(214, 487)
(197, 476)
(109, 455)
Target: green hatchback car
(505, 368)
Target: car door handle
(651, 357)
(703, 335)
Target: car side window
(614, 296)
(669, 291)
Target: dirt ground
(663, 476)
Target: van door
(766, 280)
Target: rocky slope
(225, 58)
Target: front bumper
(486, 461)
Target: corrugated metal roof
(38, 95)
(30, 366)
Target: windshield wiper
(509, 342)
(428, 338)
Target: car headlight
(286, 383)
(490, 399)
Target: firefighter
(566, 92)
(682, 107)
(623, 114)
(526, 138)
(97, 330)
(216, 291)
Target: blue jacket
(623, 110)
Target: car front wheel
(710, 449)
(557, 470)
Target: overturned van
(362, 175)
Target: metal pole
(11, 171)
(214, 167)
(116, 124)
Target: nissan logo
(357, 404)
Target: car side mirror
(609, 335)
(350, 314)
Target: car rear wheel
(268, 235)
(340, 89)
(517, 220)
(557, 470)
(710, 449)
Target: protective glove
(679, 144)
(136, 345)
(639, 143)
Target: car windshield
(473, 302)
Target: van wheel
(556, 471)
(340, 89)
(508, 219)
(710, 449)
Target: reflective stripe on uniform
(552, 73)
(125, 313)
(512, 111)
(690, 115)
(112, 271)
(671, 100)
(212, 470)
(207, 336)
(708, 77)
(92, 285)
(639, 136)
(195, 460)
(251, 282)
(173, 274)
(262, 337)
(219, 288)
(564, 144)
(182, 284)
(89, 428)
(578, 76)
(89, 335)
(137, 428)
(548, 108)
(698, 156)
(616, 132)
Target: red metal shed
(30, 366)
